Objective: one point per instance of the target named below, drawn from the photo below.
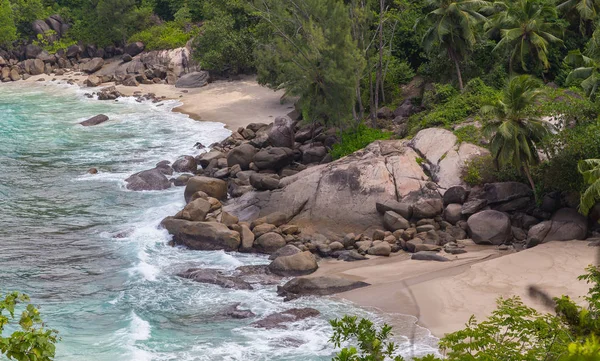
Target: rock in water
(193, 80)
(215, 277)
(184, 164)
(98, 119)
(489, 227)
(318, 286)
(148, 180)
(278, 319)
(202, 236)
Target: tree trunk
(457, 65)
(528, 174)
(378, 81)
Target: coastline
(444, 295)
(234, 103)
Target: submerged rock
(148, 180)
(278, 320)
(98, 119)
(215, 277)
(203, 236)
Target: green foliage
(31, 341)
(164, 36)
(449, 107)
(469, 134)
(482, 170)
(355, 139)
(373, 343)
(397, 74)
(227, 40)
(25, 12)
(590, 169)
(310, 52)
(53, 46)
(8, 30)
(565, 150)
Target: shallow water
(117, 298)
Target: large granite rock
(92, 66)
(187, 163)
(506, 191)
(196, 79)
(273, 158)
(242, 156)
(565, 225)
(213, 187)
(203, 236)
(447, 158)
(341, 195)
(148, 180)
(319, 286)
(298, 264)
(489, 227)
(282, 133)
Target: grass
(357, 138)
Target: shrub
(469, 134)
(398, 73)
(357, 138)
(165, 36)
(53, 46)
(483, 170)
(30, 340)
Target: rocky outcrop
(320, 286)
(278, 320)
(298, 264)
(193, 80)
(98, 119)
(203, 236)
(215, 277)
(148, 180)
(566, 225)
(490, 227)
(445, 157)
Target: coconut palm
(451, 28)
(586, 10)
(586, 69)
(513, 129)
(590, 169)
(527, 29)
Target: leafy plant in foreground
(590, 169)
(31, 341)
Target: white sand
(444, 295)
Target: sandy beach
(234, 103)
(444, 295)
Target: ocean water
(90, 253)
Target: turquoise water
(115, 298)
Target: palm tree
(586, 10)
(514, 130)
(451, 28)
(527, 28)
(587, 69)
(590, 169)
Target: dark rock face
(202, 236)
(98, 119)
(32, 51)
(242, 156)
(215, 277)
(566, 225)
(264, 182)
(185, 164)
(456, 194)
(489, 227)
(282, 133)
(233, 311)
(273, 158)
(428, 208)
(506, 191)
(278, 320)
(134, 49)
(193, 80)
(319, 286)
(403, 209)
(93, 65)
(473, 206)
(148, 180)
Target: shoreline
(234, 103)
(442, 296)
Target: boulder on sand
(318, 286)
(98, 119)
(566, 225)
(196, 79)
(213, 187)
(489, 227)
(202, 236)
(298, 264)
(428, 256)
(148, 180)
(92, 66)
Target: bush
(448, 107)
(355, 139)
(483, 170)
(469, 134)
(398, 73)
(53, 46)
(165, 36)
(30, 340)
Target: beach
(234, 103)
(444, 295)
